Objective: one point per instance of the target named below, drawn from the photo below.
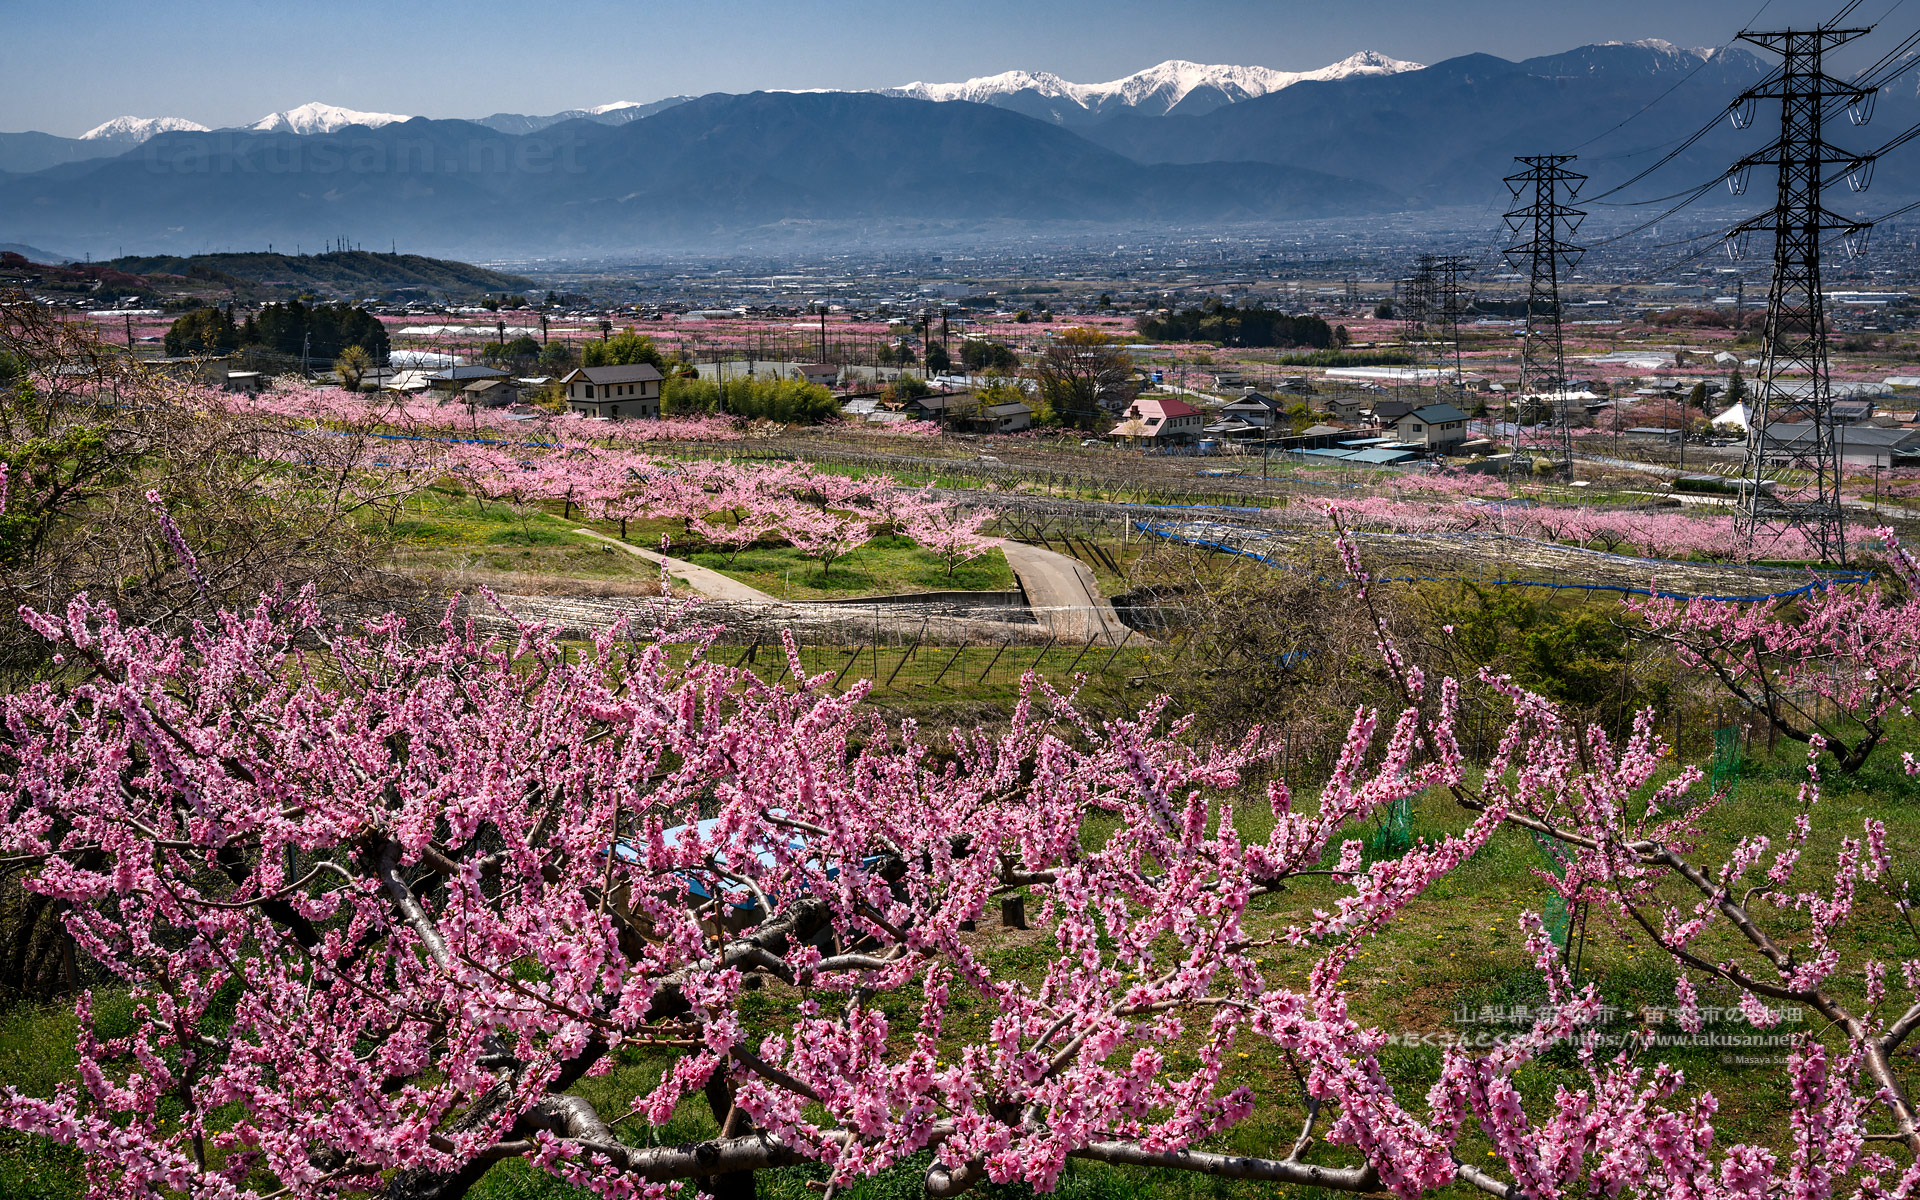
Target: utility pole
(1543, 223)
(306, 350)
(1792, 381)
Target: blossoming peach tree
(382, 900)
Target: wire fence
(1501, 560)
(946, 647)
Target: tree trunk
(734, 1185)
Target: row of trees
(381, 898)
(789, 401)
(555, 357)
(386, 901)
(1231, 325)
(294, 328)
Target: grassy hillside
(361, 271)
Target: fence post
(852, 658)
(909, 654)
(1091, 638)
(995, 659)
(1116, 652)
(1051, 639)
(949, 663)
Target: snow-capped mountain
(1648, 56)
(131, 131)
(618, 113)
(1189, 87)
(321, 118)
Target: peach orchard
(384, 896)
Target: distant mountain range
(1175, 87)
(793, 165)
(32, 253)
(1446, 134)
(321, 118)
(1179, 144)
(617, 113)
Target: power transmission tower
(1792, 475)
(1543, 223)
(1451, 300)
(1416, 299)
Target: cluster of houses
(963, 412)
(1361, 428)
(617, 393)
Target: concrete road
(692, 576)
(1064, 596)
(1061, 591)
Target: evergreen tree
(1252, 325)
(285, 328)
(622, 350)
(202, 331)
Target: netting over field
(950, 650)
(1494, 558)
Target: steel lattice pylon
(1433, 299)
(1416, 299)
(1543, 227)
(1450, 300)
(1792, 475)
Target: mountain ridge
(709, 171)
(1160, 89)
(131, 130)
(316, 117)
(721, 168)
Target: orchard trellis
(437, 881)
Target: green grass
(883, 567)
(36, 1056)
(984, 681)
(444, 529)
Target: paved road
(1063, 595)
(704, 580)
(1060, 590)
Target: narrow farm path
(1064, 596)
(704, 580)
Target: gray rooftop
(1862, 436)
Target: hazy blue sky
(67, 66)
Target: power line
(1683, 79)
(1806, 497)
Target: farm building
(622, 393)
